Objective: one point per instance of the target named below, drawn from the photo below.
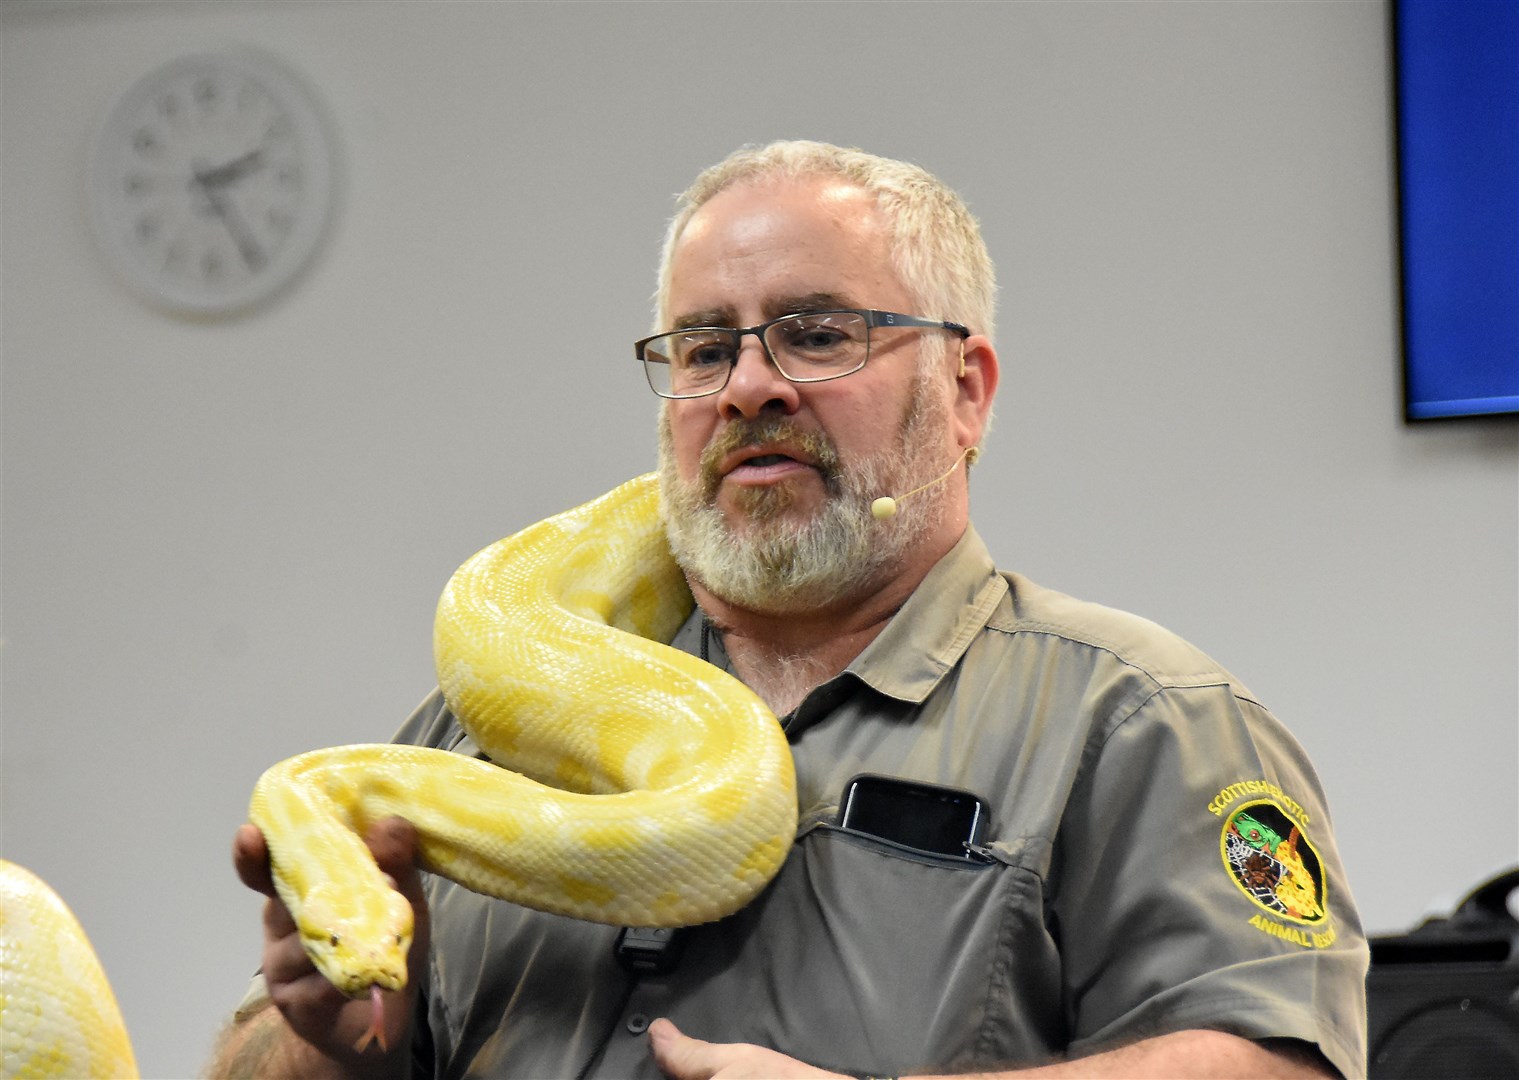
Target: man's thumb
(678, 1056)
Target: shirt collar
(924, 639)
(931, 631)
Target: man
(1157, 892)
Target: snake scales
(641, 786)
(646, 788)
(58, 1017)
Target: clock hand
(231, 171)
(211, 182)
(242, 236)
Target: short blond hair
(936, 245)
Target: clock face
(212, 183)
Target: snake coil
(628, 782)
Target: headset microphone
(886, 506)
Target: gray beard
(781, 567)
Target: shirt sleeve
(1196, 885)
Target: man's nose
(755, 385)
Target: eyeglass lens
(806, 348)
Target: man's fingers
(393, 842)
(684, 1058)
(307, 993)
(278, 924)
(250, 855)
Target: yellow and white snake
(629, 783)
(58, 1017)
(646, 788)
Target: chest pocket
(864, 956)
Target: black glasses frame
(872, 319)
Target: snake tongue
(376, 1032)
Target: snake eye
(334, 940)
(398, 939)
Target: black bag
(1443, 1000)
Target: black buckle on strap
(649, 950)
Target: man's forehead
(761, 202)
(772, 307)
(772, 222)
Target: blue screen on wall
(1458, 155)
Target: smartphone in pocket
(930, 817)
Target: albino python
(647, 787)
(58, 1016)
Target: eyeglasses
(813, 347)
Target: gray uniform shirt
(1159, 857)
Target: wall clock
(212, 182)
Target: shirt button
(637, 1024)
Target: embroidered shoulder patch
(1272, 860)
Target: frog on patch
(1279, 872)
(1255, 833)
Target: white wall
(223, 542)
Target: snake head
(357, 938)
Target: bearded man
(824, 340)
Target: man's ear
(975, 387)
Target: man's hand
(331, 1023)
(684, 1058)
(1181, 1054)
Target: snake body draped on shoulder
(629, 783)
